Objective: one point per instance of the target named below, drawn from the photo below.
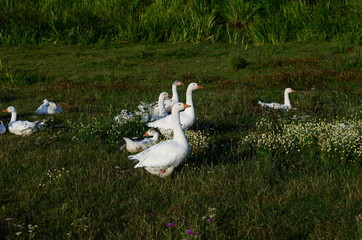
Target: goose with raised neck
(161, 105)
(20, 127)
(175, 99)
(162, 158)
(285, 106)
(187, 117)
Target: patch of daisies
(198, 140)
(336, 138)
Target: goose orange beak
(146, 134)
(199, 87)
(181, 83)
(6, 110)
(170, 95)
(186, 106)
(292, 90)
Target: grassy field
(252, 173)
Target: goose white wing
(168, 104)
(162, 155)
(163, 124)
(48, 108)
(273, 105)
(22, 127)
(53, 108)
(43, 109)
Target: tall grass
(232, 21)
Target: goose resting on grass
(285, 106)
(20, 127)
(187, 117)
(48, 108)
(162, 158)
(137, 145)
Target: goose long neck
(174, 93)
(155, 137)
(190, 110)
(189, 97)
(178, 134)
(161, 105)
(286, 99)
(13, 116)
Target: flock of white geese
(24, 128)
(162, 158)
(170, 117)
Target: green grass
(230, 21)
(72, 182)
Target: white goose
(20, 127)
(48, 108)
(162, 158)
(161, 110)
(2, 128)
(187, 117)
(136, 145)
(285, 106)
(169, 103)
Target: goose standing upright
(20, 127)
(187, 117)
(161, 113)
(135, 145)
(286, 106)
(162, 158)
(169, 103)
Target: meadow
(252, 173)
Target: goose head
(150, 133)
(194, 86)
(165, 95)
(289, 90)
(10, 109)
(177, 83)
(179, 107)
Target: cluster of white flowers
(113, 132)
(198, 140)
(54, 175)
(336, 138)
(31, 229)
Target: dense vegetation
(252, 174)
(229, 21)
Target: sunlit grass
(71, 181)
